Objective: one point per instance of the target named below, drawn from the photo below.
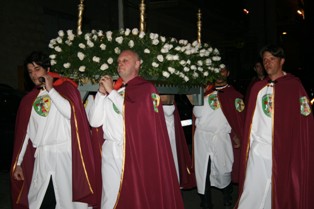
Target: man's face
(222, 80)
(259, 69)
(35, 71)
(128, 65)
(273, 65)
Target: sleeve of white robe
(96, 112)
(62, 105)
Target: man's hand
(105, 84)
(18, 173)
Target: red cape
(293, 145)
(149, 177)
(186, 169)
(82, 154)
(227, 98)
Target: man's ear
(138, 64)
(282, 61)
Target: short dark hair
(274, 49)
(39, 58)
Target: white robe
(168, 111)
(107, 111)
(212, 139)
(51, 136)
(257, 185)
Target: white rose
(80, 55)
(205, 74)
(134, 31)
(155, 42)
(208, 61)
(68, 42)
(154, 64)
(216, 58)
(160, 58)
(182, 62)
(186, 79)
(175, 57)
(222, 66)
(96, 59)
(117, 50)
(164, 50)
(163, 39)
(102, 46)
(109, 35)
(110, 61)
(195, 74)
(119, 40)
(82, 46)
(59, 40)
(142, 34)
(90, 43)
(70, 32)
(53, 62)
(200, 63)
(131, 44)
(186, 69)
(216, 70)
(100, 33)
(193, 67)
(169, 57)
(171, 70)
(146, 51)
(58, 49)
(127, 31)
(165, 74)
(82, 68)
(52, 56)
(61, 33)
(66, 65)
(200, 69)
(104, 66)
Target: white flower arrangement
(167, 60)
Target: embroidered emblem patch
(213, 101)
(305, 106)
(239, 104)
(42, 105)
(267, 104)
(156, 101)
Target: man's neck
(278, 75)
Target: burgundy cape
(149, 178)
(293, 145)
(186, 169)
(227, 98)
(83, 174)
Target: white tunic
(107, 111)
(168, 111)
(49, 130)
(257, 185)
(212, 139)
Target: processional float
(174, 66)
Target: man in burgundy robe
(282, 98)
(82, 155)
(148, 176)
